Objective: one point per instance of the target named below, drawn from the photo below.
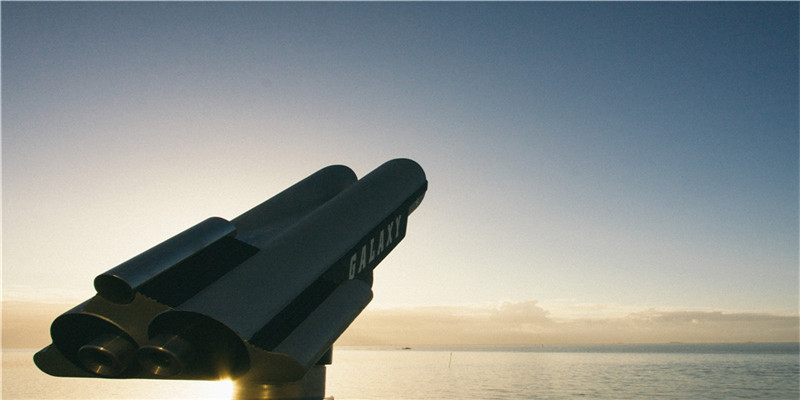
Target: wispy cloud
(529, 323)
(27, 293)
(26, 324)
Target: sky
(586, 162)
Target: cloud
(527, 312)
(29, 294)
(27, 325)
(528, 323)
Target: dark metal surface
(320, 246)
(260, 299)
(120, 283)
(266, 221)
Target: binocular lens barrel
(167, 358)
(108, 355)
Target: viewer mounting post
(259, 299)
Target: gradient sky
(596, 158)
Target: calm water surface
(746, 371)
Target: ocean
(667, 371)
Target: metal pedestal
(311, 387)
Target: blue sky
(593, 157)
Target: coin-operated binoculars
(258, 300)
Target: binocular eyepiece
(261, 297)
(108, 355)
(169, 358)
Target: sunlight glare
(222, 389)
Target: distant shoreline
(595, 347)
(620, 348)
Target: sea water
(668, 371)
